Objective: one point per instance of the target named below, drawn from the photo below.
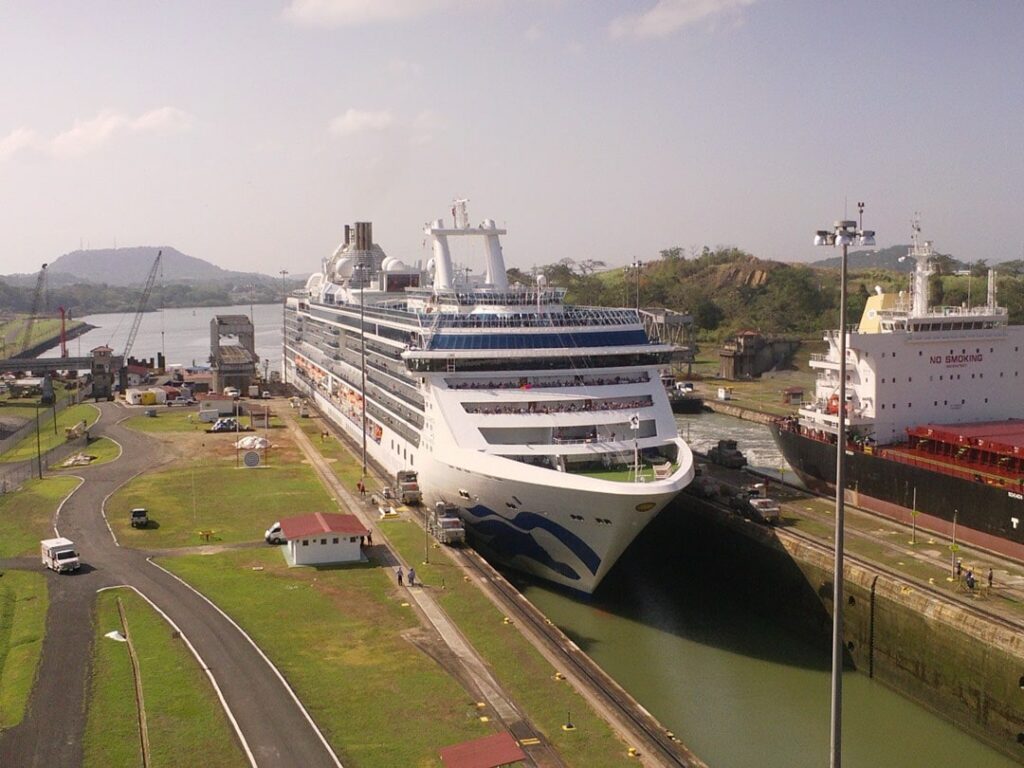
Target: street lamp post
(39, 449)
(362, 357)
(844, 233)
(284, 331)
(636, 266)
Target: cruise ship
(933, 411)
(546, 424)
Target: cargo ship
(544, 424)
(933, 407)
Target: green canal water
(738, 687)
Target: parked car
(274, 534)
(140, 517)
(232, 392)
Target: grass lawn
(516, 664)
(28, 514)
(379, 700)
(27, 448)
(182, 419)
(23, 603)
(208, 492)
(185, 722)
(346, 467)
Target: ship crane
(26, 336)
(142, 306)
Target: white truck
(59, 555)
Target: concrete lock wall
(934, 650)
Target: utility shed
(322, 538)
(487, 752)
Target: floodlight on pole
(844, 233)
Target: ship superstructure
(545, 423)
(933, 407)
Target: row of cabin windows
(403, 452)
(920, 353)
(942, 377)
(934, 402)
(351, 539)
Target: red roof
(317, 523)
(487, 752)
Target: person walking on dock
(398, 573)
(412, 577)
(970, 579)
(990, 578)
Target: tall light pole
(284, 332)
(636, 266)
(362, 355)
(843, 233)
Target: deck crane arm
(26, 336)
(142, 306)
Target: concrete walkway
(256, 697)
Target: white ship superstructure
(546, 424)
(909, 364)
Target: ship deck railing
(988, 475)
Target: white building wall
(323, 549)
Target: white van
(59, 555)
(274, 534)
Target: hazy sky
(248, 133)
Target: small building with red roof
(323, 538)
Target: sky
(249, 132)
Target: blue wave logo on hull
(511, 538)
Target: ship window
(910, 405)
(962, 402)
(986, 399)
(910, 378)
(972, 375)
(935, 402)
(919, 353)
(940, 377)
(883, 406)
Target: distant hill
(131, 266)
(883, 258)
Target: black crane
(142, 306)
(26, 335)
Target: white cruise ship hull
(565, 528)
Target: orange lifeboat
(833, 404)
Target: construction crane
(142, 306)
(26, 336)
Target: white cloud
(669, 16)
(344, 13)
(534, 33)
(17, 140)
(425, 125)
(85, 136)
(359, 121)
(404, 68)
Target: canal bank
(908, 622)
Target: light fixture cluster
(845, 233)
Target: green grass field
(380, 701)
(210, 493)
(28, 514)
(48, 437)
(517, 665)
(185, 721)
(23, 602)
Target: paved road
(273, 725)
